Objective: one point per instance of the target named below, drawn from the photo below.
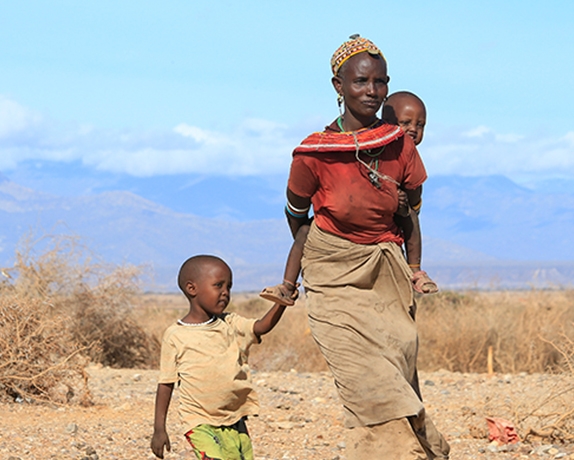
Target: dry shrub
(58, 308)
(39, 360)
(528, 331)
(103, 315)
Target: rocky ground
(300, 418)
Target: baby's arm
(411, 227)
(413, 242)
(264, 325)
(160, 437)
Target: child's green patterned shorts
(221, 442)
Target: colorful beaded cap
(355, 45)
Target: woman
(358, 284)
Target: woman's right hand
(404, 209)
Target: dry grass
(289, 346)
(528, 331)
(58, 309)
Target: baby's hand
(403, 209)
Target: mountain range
(479, 232)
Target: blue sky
(94, 95)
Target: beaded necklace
(373, 166)
(183, 323)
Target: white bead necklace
(183, 323)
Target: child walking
(409, 112)
(205, 354)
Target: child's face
(213, 289)
(412, 117)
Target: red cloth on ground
(345, 202)
(501, 430)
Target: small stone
(341, 445)
(492, 448)
(137, 377)
(553, 451)
(125, 407)
(72, 428)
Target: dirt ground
(300, 417)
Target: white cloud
(253, 147)
(259, 147)
(451, 152)
(479, 131)
(509, 138)
(15, 119)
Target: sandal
(278, 295)
(423, 284)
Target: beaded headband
(355, 45)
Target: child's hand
(158, 441)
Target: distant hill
(495, 216)
(479, 232)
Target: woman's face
(363, 83)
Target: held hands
(158, 441)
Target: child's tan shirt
(210, 365)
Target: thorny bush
(60, 309)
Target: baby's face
(412, 117)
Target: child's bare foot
(423, 284)
(281, 294)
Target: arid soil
(300, 417)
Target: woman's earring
(340, 103)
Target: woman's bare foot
(423, 284)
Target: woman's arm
(415, 197)
(297, 219)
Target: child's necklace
(183, 323)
